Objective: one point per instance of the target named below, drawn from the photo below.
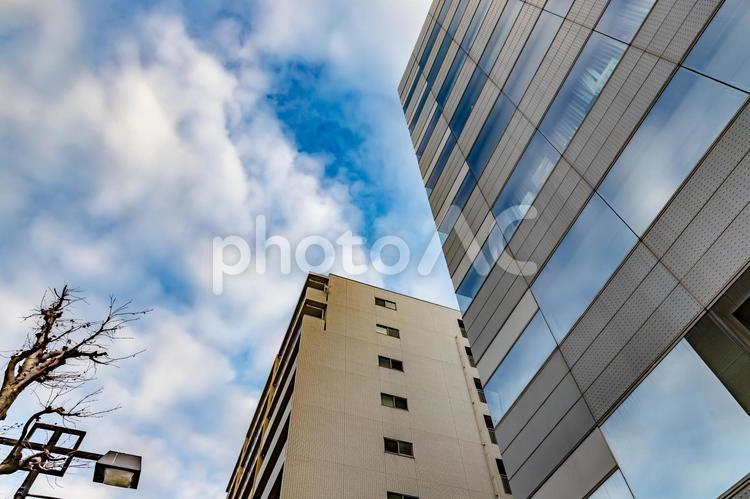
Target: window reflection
(450, 78)
(582, 263)
(476, 22)
(462, 195)
(444, 11)
(675, 135)
(680, 433)
(457, 16)
(490, 135)
(613, 488)
(441, 162)
(428, 133)
(577, 94)
(531, 56)
(519, 366)
(559, 7)
(467, 102)
(420, 107)
(497, 40)
(438, 62)
(622, 18)
(722, 50)
(480, 268)
(524, 184)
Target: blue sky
(132, 133)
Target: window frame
(382, 302)
(403, 448)
(388, 331)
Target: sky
(134, 133)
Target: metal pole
(25, 487)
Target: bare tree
(61, 354)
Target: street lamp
(113, 468)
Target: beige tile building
(373, 395)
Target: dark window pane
(622, 18)
(524, 184)
(430, 42)
(577, 94)
(467, 102)
(401, 403)
(519, 366)
(418, 110)
(680, 420)
(490, 135)
(397, 364)
(386, 400)
(722, 50)
(559, 7)
(384, 361)
(450, 78)
(391, 445)
(438, 62)
(441, 162)
(499, 35)
(679, 129)
(428, 133)
(531, 56)
(582, 263)
(405, 448)
(476, 22)
(412, 89)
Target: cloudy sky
(133, 133)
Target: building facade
(586, 162)
(373, 395)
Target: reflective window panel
(463, 194)
(480, 269)
(457, 16)
(441, 162)
(589, 74)
(419, 108)
(680, 433)
(622, 18)
(613, 488)
(467, 102)
(444, 11)
(531, 56)
(450, 78)
(559, 7)
(493, 129)
(722, 51)
(583, 262)
(499, 35)
(519, 366)
(476, 22)
(430, 42)
(689, 115)
(524, 184)
(428, 133)
(438, 62)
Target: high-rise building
(586, 162)
(373, 395)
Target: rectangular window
(389, 363)
(683, 124)
(387, 330)
(399, 447)
(582, 263)
(476, 22)
(420, 107)
(396, 495)
(450, 78)
(490, 134)
(428, 133)
(722, 51)
(457, 16)
(385, 303)
(531, 56)
(483, 263)
(438, 62)
(468, 101)
(559, 7)
(589, 74)
(441, 162)
(504, 476)
(519, 366)
(462, 328)
(490, 429)
(499, 35)
(622, 18)
(470, 356)
(480, 390)
(394, 401)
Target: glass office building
(586, 162)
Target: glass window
(428, 48)
(679, 129)
(559, 7)
(428, 133)
(622, 18)
(476, 22)
(722, 50)
(419, 108)
(444, 11)
(577, 94)
(613, 488)
(463, 194)
(480, 268)
(459, 14)
(499, 35)
(531, 56)
(680, 433)
(438, 62)
(450, 78)
(412, 89)
(467, 102)
(485, 144)
(441, 162)
(524, 184)
(519, 366)
(582, 263)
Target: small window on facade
(396, 495)
(388, 331)
(470, 356)
(503, 475)
(462, 328)
(389, 363)
(490, 428)
(385, 303)
(743, 313)
(480, 390)
(398, 447)
(394, 401)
